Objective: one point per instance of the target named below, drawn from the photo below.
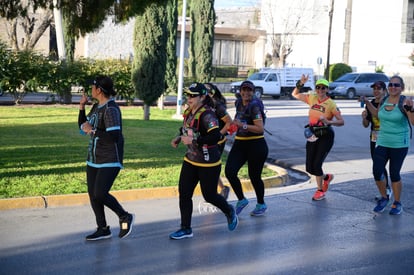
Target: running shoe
(241, 204)
(232, 219)
(100, 234)
(125, 225)
(319, 195)
(381, 204)
(182, 234)
(389, 194)
(225, 192)
(259, 210)
(396, 208)
(326, 182)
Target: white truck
(277, 82)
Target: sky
(218, 4)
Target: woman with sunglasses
(379, 90)
(393, 142)
(219, 107)
(105, 156)
(323, 113)
(202, 161)
(249, 146)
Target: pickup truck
(277, 82)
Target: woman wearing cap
(249, 146)
(393, 141)
(202, 163)
(219, 107)
(105, 156)
(379, 90)
(323, 113)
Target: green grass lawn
(42, 152)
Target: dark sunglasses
(321, 88)
(191, 95)
(395, 85)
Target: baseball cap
(247, 84)
(380, 84)
(196, 89)
(105, 83)
(323, 82)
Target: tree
(287, 20)
(203, 19)
(149, 65)
(82, 16)
(171, 71)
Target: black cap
(105, 83)
(247, 84)
(196, 89)
(380, 84)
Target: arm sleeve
(81, 117)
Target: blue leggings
(396, 157)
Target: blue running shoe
(241, 205)
(381, 204)
(232, 219)
(396, 208)
(181, 234)
(259, 210)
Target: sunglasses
(377, 88)
(321, 88)
(191, 95)
(395, 85)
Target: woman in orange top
(323, 113)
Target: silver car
(351, 85)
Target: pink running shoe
(319, 195)
(325, 184)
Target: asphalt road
(339, 235)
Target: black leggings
(372, 147)
(100, 181)
(254, 152)
(317, 151)
(208, 177)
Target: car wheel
(258, 92)
(351, 94)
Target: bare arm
(296, 92)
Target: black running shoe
(125, 225)
(100, 234)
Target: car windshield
(347, 78)
(257, 76)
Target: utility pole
(181, 65)
(331, 11)
(59, 31)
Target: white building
(365, 34)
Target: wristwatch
(244, 126)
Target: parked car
(351, 85)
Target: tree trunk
(161, 102)
(146, 112)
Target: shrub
(337, 70)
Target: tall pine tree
(203, 19)
(149, 65)
(171, 72)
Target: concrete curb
(129, 195)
